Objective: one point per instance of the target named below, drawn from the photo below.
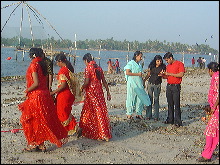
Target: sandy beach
(134, 141)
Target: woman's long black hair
(88, 57)
(38, 52)
(153, 62)
(214, 66)
(62, 57)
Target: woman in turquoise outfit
(136, 95)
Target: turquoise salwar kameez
(136, 95)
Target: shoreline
(7, 78)
(144, 51)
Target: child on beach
(212, 128)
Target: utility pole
(128, 54)
(74, 57)
(100, 47)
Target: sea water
(18, 67)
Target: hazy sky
(187, 22)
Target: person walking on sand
(117, 66)
(65, 94)
(136, 95)
(110, 66)
(199, 61)
(193, 62)
(203, 63)
(154, 85)
(212, 128)
(94, 120)
(39, 119)
(174, 72)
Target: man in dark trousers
(174, 72)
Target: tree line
(111, 44)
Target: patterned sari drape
(39, 119)
(65, 99)
(94, 119)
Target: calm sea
(18, 67)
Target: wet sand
(134, 141)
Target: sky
(187, 22)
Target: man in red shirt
(193, 62)
(174, 72)
(117, 66)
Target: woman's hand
(212, 111)
(140, 74)
(161, 73)
(26, 93)
(203, 119)
(52, 93)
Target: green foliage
(111, 44)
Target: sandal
(147, 118)
(139, 117)
(104, 139)
(130, 117)
(202, 159)
(30, 148)
(41, 148)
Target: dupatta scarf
(73, 84)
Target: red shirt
(116, 64)
(175, 67)
(193, 61)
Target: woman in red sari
(94, 120)
(65, 94)
(39, 119)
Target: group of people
(46, 113)
(200, 62)
(113, 67)
(137, 96)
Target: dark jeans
(154, 93)
(117, 69)
(173, 99)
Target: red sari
(39, 119)
(94, 119)
(65, 99)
